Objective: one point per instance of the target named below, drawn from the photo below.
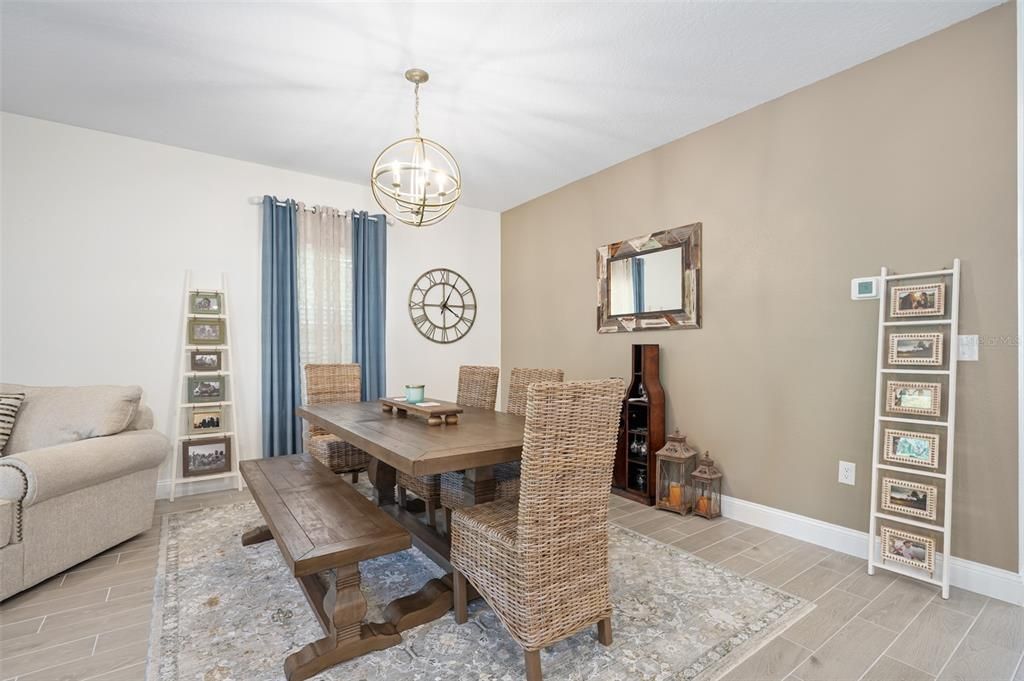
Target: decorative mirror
(650, 282)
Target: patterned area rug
(230, 612)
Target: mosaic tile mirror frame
(650, 282)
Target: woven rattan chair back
(327, 383)
(520, 379)
(562, 529)
(478, 386)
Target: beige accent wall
(906, 161)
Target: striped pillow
(10, 403)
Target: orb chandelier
(416, 180)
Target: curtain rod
(258, 200)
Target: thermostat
(864, 288)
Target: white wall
(98, 229)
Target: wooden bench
(323, 524)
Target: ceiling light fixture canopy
(416, 180)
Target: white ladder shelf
(228, 429)
(944, 472)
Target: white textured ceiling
(528, 97)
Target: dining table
(399, 441)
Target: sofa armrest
(50, 472)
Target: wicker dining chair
(506, 475)
(541, 560)
(478, 387)
(334, 383)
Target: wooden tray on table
(435, 411)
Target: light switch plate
(967, 348)
(847, 473)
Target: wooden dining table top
(482, 437)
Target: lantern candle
(702, 506)
(675, 494)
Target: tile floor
(92, 622)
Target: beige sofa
(77, 476)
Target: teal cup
(414, 394)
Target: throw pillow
(10, 403)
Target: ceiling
(528, 97)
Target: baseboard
(966, 574)
(184, 489)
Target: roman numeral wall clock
(442, 305)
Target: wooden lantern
(675, 463)
(707, 488)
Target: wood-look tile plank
(24, 628)
(97, 625)
(978, 659)
(843, 563)
(930, 638)
(135, 672)
(888, 669)
(94, 665)
(780, 571)
(963, 601)
(660, 522)
(860, 583)
(900, 603)
(775, 661)
(721, 550)
(831, 613)
(95, 562)
(667, 536)
(88, 612)
(56, 605)
(699, 540)
(633, 520)
(772, 549)
(757, 535)
(108, 577)
(741, 565)
(33, 661)
(130, 588)
(122, 637)
(38, 595)
(848, 654)
(1002, 624)
(812, 583)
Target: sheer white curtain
(324, 282)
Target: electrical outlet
(847, 473)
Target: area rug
(226, 612)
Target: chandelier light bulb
(433, 182)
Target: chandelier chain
(417, 93)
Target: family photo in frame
(908, 548)
(919, 399)
(918, 300)
(915, 349)
(207, 388)
(205, 302)
(206, 331)
(205, 457)
(909, 498)
(911, 448)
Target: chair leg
(532, 665)
(431, 510)
(459, 596)
(604, 631)
(401, 498)
(448, 520)
(355, 477)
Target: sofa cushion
(9, 405)
(57, 415)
